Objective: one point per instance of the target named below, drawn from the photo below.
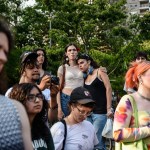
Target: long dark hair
(44, 65)
(4, 28)
(39, 128)
(87, 57)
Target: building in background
(138, 6)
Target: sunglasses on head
(141, 58)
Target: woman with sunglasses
(98, 84)
(36, 107)
(80, 133)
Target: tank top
(10, 126)
(98, 92)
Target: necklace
(143, 96)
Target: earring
(141, 82)
(67, 59)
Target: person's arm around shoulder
(107, 85)
(26, 130)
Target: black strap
(65, 135)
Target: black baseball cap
(81, 95)
(28, 55)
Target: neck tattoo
(143, 96)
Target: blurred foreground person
(15, 129)
(129, 127)
(37, 108)
(78, 133)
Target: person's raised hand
(45, 82)
(54, 89)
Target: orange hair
(134, 72)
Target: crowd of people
(40, 114)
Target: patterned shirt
(124, 123)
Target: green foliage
(101, 29)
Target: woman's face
(4, 48)
(146, 79)
(71, 52)
(34, 102)
(80, 112)
(40, 57)
(83, 65)
(140, 59)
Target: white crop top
(73, 76)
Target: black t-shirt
(41, 144)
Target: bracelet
(53, 108)
(111, 110)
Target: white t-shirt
(45, 92)
(80, 136)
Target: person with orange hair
(125, 127)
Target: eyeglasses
(141, 58)
(83, 112)
(33, 97)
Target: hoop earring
(67, 59)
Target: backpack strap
(65, 135)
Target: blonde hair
(134, 72)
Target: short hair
(141, 54)
(4, 28)
(134, 72)
(87, 57)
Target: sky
(29, 3)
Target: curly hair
(19, 93)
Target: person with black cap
(80, 134)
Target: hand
(110, 113)
(103, 69)
(54, 89)
(45, 82)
